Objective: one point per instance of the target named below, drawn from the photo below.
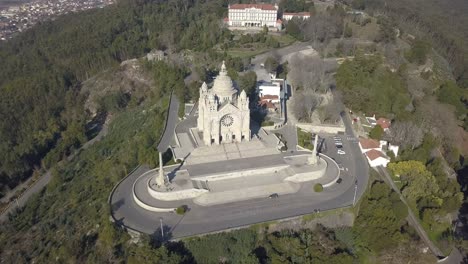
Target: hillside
(60, 74)
(442, 22)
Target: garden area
(304, 139)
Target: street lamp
(355, 192)
(162, 230)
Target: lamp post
(162, 230)
(355, 192)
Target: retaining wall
(331, 129)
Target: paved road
(219, 217)
(171, 122)
(356, 160)
(279, 54)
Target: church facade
(223, 113)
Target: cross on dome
(223, 68)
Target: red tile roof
(374, 154)
(269, 97)
(384, 122)
(267, 104)
(367, 143)
(258, 6)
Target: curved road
(171, 122)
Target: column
(313, 158)
(160, 176)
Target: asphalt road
(354, 159)
(202, 219)
(171, 122)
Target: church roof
(223, 85)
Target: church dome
(223, 86)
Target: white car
(341, 152)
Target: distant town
(18, 18)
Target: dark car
(274, 195)
(339, 180)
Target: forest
(40, 104)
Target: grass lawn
(284, 40)
(304, 139)
(246, 52)
(259, 48)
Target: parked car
(341, 152)
(339, 180)
(274, 195)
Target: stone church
(223, 114)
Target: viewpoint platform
(225, 158)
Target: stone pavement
(243, 194)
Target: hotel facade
(252, 15)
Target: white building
(289, 16)
(376, 158)
(375, 151)
(223, 114)
(252, 15)
(270, 89)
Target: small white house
(366, 144)
(376, 158)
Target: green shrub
(376, 132)
(181, 209)
(318, 187)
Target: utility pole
(355, 192)
(162, 230)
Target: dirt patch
(128, 78)
(464, 143)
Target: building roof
(223, 85)
(367, 143)
(267, 104)
(374, 154)
(384, 122)
(297, 14)
(258, 6)
(269, 97)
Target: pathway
(45, 179)
(171, 122)
(411, 217)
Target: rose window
(227, 120)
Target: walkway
(171, 122)
(45, 179)
(411, 217)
